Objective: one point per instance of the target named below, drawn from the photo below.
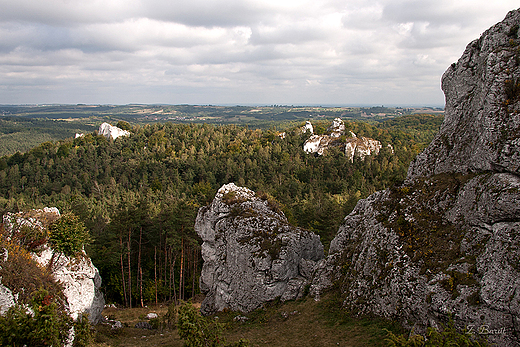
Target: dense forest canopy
(139, 195)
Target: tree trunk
(155, 273)
(139, 268)
(181, 277)
(123, 269)
(129, 269)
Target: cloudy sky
(341, 52)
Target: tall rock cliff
(251, 254)
(481, 126)
(447, 242)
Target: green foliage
(83, 335)
(198, 331)
(20, 261)
(124, 125)
(68, 235)
(448, 336)
(46, 326)
(150, 186)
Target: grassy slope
(297, 323)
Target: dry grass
(296, 323)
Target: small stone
(152, 315)
(144, 325)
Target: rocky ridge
(354, 146)
(251, 254)
(446, 243)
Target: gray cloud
(235, 51)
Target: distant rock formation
(354, 146)
(307, 128)
(361, 147)
(251, 254)
(110, 131)
(79, 277)
(446, 243)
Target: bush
(449, 336)
(198, 331)
(68, 235)
(83, 335)
(46, 325)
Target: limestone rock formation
(354, 146)
(482, 90)
(361, 147)
(447, 242)
(307, 128)
(110, 131)
(79, 277)
(251, 254)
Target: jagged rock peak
(251, 254)
(110, 131)
(361, 147)
(337, 128)
(481, 127)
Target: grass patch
(302, 322)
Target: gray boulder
(447, 242)
(251, 254)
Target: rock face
(251, 254)
(447, 242)
(354, 146)
(79, 277)
(110, 131)
(481, 125)
(307, 128)
(361, 147)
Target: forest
(139, 195)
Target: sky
(236, 52)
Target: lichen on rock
(445, 243)
(251, 253)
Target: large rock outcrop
(481, 126)
(447, 242)
(251, 254)
(78, 277)
(354, 146)
(110, 131)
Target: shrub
(68, 235)
(198, 331)
(449, 336)
(83, 335)
(19, 261)
(46, 325)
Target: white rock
(7, 299)
(108, 131)
(152, 315)
(79, 277)
(307, 128)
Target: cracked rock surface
(447, 242)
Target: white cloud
(235, 51)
